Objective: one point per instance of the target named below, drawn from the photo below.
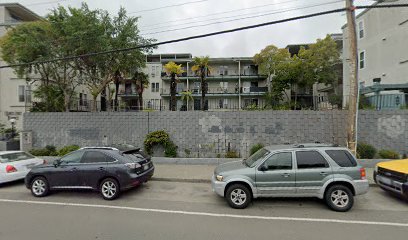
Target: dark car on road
(107, 170)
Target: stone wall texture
(211, 134)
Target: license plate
(145, 167)
(386, 180)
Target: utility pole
(353, 78)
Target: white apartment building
(234, 83)
(15, 93)
(382, 56)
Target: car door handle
(324, 173)
(101, 168)
(73, 169)
(285, 174)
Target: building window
(223, 70)
(21, 93)
(361, 29)
(81, 101)
(155, 87)
(28, 93)
(362, 60)
(153, 71)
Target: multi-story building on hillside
(383, 56)
(234, 83)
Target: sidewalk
(201, 173)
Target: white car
(15, 165)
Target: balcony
(219, 91)
(184, 77)
(127, 93)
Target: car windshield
(251, 161)
(13, 157)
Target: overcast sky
(164, 15)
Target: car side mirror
(263, 168)
(57, 162)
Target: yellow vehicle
(393, 176)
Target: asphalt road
(170, 210)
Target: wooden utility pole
(353, 78)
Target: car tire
(39, 187)
(238, 196)
(109, 189)
(339, 198)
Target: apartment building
(15, 93)
(234, 83)
(382, 56)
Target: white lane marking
(322, 220)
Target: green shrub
(231, 154)
(163, 138)
(255, 148)
(40, 152)
(388, 154)
(365, 151)
(67, 149)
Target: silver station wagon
(304, 170)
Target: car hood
(400, 166)
(226, 167)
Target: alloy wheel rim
(38, 187)
(339, 198)
(238, 196)
(109, 189)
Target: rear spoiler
(131, 151)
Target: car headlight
(376, 168)
(219, 178)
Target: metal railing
(219, 90)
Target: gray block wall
(208, 134)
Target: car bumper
(217, 186)
(14, 176)
(391, 185)
(135, 180)
(361, 187)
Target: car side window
(96, 157)
(342, 158)
(72, 158)
(279, 161)
(310, 159)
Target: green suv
(324, 171)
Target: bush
(231, 154)
(67, 149)
(163, 138)
(40, 152)
(255, 148)
(366, 151)
(388, 154)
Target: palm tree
(173, 69)
(142, 82)
(187, 96)
(202, 69)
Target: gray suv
(305, 170)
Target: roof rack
(316, 144)
(100, 148)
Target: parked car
(14, 165)
(392, 176)
(306, 170)
(103, 169)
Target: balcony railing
(184, 76)
(219, 90)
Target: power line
(44, 3)
(205, 35)
(169, 6)
(243, 18)
(219, 13)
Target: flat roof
(21, 11)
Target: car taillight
(10, 169)
(133, 165)
(362, 173)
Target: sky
(183, 18)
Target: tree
(37, 41)
(173, 69)
(187, 96)
(202, 69)
(142, 82)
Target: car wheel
(339, 198)
(39, 187)
(109, 189)
(238, 196)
